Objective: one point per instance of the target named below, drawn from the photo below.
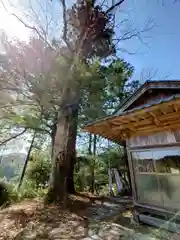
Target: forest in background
(53, 85)
(68, 73)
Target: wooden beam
(119, 119)
(141, 117)
(113, 134)
(154, 108)
(134, 119)
(169, 116)
(175, 107)
(163, 113)
(132, 125)
(171, 123)
(120, 122)
(109, 133)
(146, 126)
(152, 129)
(156, 121)
(128, 125)
(140, 112)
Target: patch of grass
(10, 193)
(30, 190)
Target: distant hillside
(11, 165)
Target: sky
(159, 49)
(163, 50)
(10, 24)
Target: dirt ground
(33, 220)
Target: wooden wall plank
(155, 139)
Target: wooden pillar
(127, 165)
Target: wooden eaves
(148, 85)
(158, 116)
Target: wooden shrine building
(148, 123)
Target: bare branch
(148, 74)
(83, 36)
(115, 6)
(124, 50)
(33, 28)
(131, 32)
(65, 28)
(38, 129)
(36, 19)
(13, 137)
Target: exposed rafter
(141, 122)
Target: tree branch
(65, 29)
(33, 28)
(132, 32)
(13, 137)
(114, 6)
(37, 129)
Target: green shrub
(29, 190)
(33, 186)
(9, 192)
(13, 193)
(38, 171)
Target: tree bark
(90, 144)
(64, 154)
(72, 148)
(94, 145)
(26, 161)
(70, 177)
(93, 165)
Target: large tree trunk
(72, 148)
(63, 160)
(70, 177)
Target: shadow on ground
(85, 218)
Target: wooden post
(127, 165)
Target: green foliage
(113, 156)
(101, 86)
(34, 183)
(89, 167)
(39, 168)
(28, 190)
(33, 186)
(98, 165)
(13, 193)
(1, 172)
(105, 88)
